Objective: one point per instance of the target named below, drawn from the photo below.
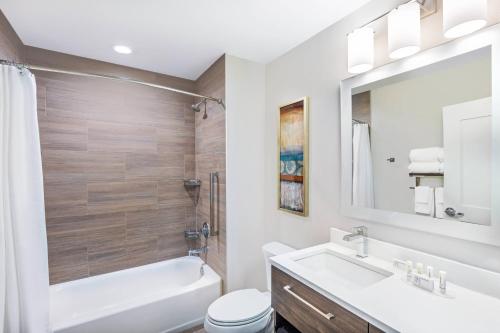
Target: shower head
(197, 107)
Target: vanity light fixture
(462, 17)
(360, 50)
(404, 30)
(122, 49)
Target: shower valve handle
(205, 230)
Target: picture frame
(293, 157)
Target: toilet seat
(242, 323)
(242, 311)
(239, 307)
(265, 324)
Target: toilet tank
(270, 250)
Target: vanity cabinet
(311, 312)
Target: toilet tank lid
(276, 248)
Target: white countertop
(394, 305)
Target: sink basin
(343, 270)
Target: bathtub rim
(210, 277)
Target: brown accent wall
(361, 107)
(210, 150)
(114, 158)
(10, 44)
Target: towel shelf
(419, 175)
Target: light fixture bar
(427, 8)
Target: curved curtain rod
(111, 77)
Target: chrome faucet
(205, 231)
(359, 234)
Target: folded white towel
(439, 198)
(426, 167)
(433, 154)
(424, 200)
(439, 194)
(422, 194)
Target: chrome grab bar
(214, 186)
(327, 316)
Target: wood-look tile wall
(114, 159)
(210, 151)
(10, 44)
(361, 107)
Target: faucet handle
(361, 230)
(397, 263)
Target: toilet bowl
(246, 310)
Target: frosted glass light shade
(360, 51)
(462, 17)
(404, 30)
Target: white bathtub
(168, 296)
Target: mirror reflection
(422, 141)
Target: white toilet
(246, 310)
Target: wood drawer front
(303, 316)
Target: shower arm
(110, 77)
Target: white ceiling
(176, 37)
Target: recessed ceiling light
(122, 49)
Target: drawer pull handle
(328, 316)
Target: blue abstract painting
(292, 151)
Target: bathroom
(189, 170)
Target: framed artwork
(293, 144)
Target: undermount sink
(352, 273)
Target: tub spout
(198, 252)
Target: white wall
(315, 68)
(247, 230)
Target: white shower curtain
(362, 173)
(24, 279)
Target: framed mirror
(421, 141)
